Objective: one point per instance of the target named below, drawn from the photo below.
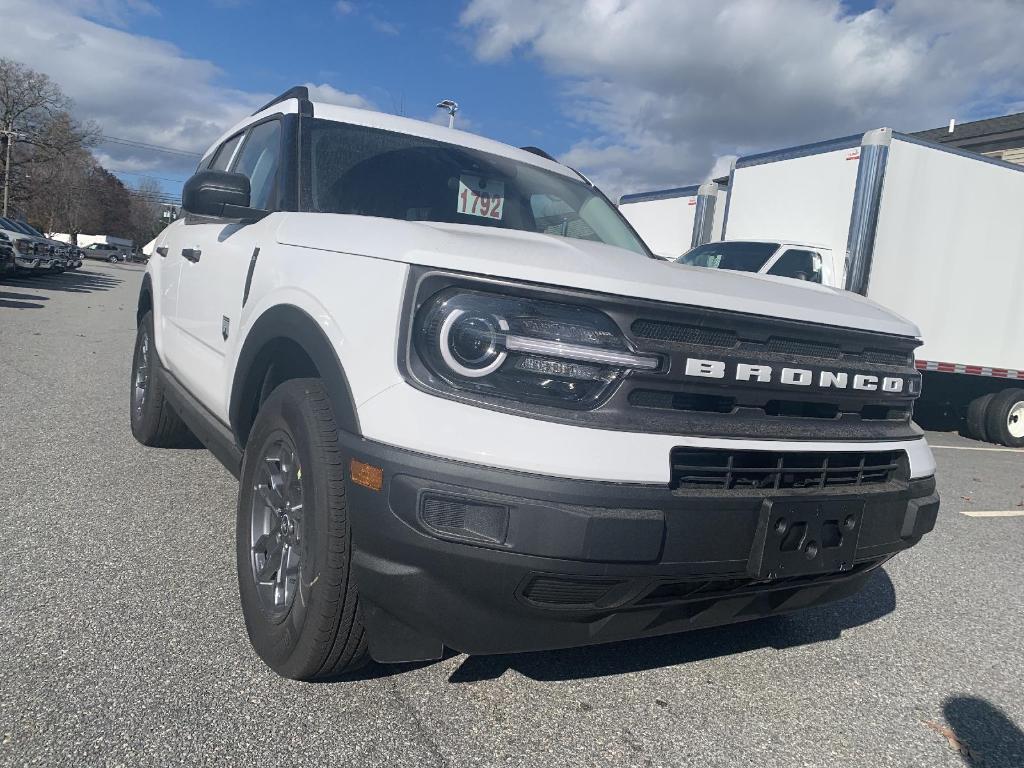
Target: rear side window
(223, 156)
(798, 264)
(259, 159)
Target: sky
(637, 94)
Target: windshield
(373, 172)
(743, 257)
(19, 226)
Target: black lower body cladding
(489, 561)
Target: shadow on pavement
(985, 732)
(876, 599)
(79, 281)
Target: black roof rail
(539, 151)
(299, 92)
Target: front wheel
(1005, 418)
(294, 541)
(112, 259)
(154, 422)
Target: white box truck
(672, 221)
(933, 232)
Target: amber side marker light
(366, 475)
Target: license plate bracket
(797, 537)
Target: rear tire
(294, 541)
(975, 422)
(112, 259)
(154, 422)
(1005, 418)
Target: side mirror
(221, 195)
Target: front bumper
(27, 262)
(485, 560)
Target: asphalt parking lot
(122, 643)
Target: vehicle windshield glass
(12, 225)
(373, 172)
(21, 226)
(743, 257)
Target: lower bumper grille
(695, 468)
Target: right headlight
(522, 349)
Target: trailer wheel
(977, 414)
(1005, 418)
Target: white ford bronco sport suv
(467, 408)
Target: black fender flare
(146, 289)
(288, 322)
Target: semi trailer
(672, 221)
(932, 232)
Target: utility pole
(9, 134)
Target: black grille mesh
(803, 348)
(683, 334)
(695, 468)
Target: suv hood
(583, 264)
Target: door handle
(192, 254)
(162, 250)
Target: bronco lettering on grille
(795, 377)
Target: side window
(258, 159)
(223, 155)
(801, 265)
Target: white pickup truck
(467, 407)
(780, 258)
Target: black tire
(1005, 416)
(112, 259)
(154, 422)
(975, 422)
(319, 634)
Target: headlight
(523, 349)
(23, 246)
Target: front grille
(697, 468)
(798, 409)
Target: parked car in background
(55, 250)
(799, 261)
(7, 265)
(104, 251)
(29, 250)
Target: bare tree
(36, 129)
(146, 211)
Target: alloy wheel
(141, 378)
(277, 543)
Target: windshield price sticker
(481, 197)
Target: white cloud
(663, 88)
(328, 94)
(134, 87)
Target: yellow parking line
(1003, 513)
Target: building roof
(977, 131)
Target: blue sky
(399, 55)
(638, 94)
